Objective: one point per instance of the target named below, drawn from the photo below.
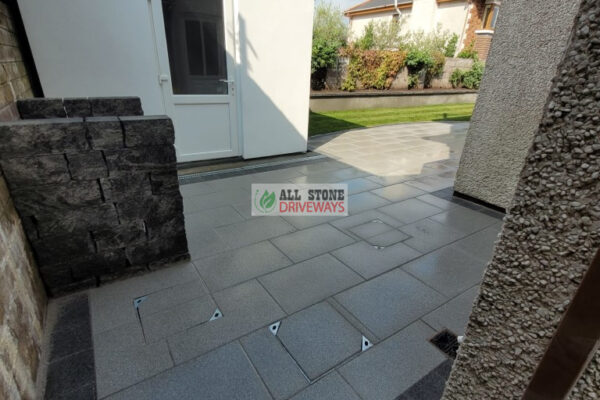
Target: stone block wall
(22, 306)
(550, 235)
(14, 82)
(95, 184)
(22, 295)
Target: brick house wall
(22, 296)
(482, 45)
(474, 23)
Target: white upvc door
(196, 47)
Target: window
(490, 15)
(196, 43)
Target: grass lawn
(332, 121)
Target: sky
(344, 4)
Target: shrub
(418, 60)
(469, 52)
(456, 78)
(387, 35)
(433, 41)
(367, 40)
(450, 49)
(374, 69)
(329, 34)
(436, 69)
(470, 79)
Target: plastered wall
(528, 44)
(549, 238)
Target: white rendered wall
(106, 48)
(425, 15)
(275, 51)
(360, 22)
(94, 48)
(452, 16)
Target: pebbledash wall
(529, 41)
(551, 233)
(22, 295)
(95, 184)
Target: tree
(329, 34)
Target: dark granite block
(129, 188)
(164, 182)
(77, 107)
(89, 165)
(35, 170)
(147, 159)
(65, 343)
(69, 374)
(162, 248)
(56, 277)
(105, 132)
(73, 314)
(87, 392)
(47, 136)
(154, 210)
(74, 287)
(120, 236)
(61, 249)
(105, 262)
(116, 106)
(168, 227)
(89, 218)
(148, 131)
(56, 200)
(37, 108)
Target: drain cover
(216, 315)
(447, 342)
(366, 344)
(275, 328)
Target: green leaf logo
(266, 204)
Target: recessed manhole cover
(447, 342)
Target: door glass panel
(196, 43)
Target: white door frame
(170, 101)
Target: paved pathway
(403, 266)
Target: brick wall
(474, 22)
(22, 296)
(97, 191)
(482, 45)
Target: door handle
(226, 80)
(163, 78)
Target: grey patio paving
(404, 265)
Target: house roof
(369, 6)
